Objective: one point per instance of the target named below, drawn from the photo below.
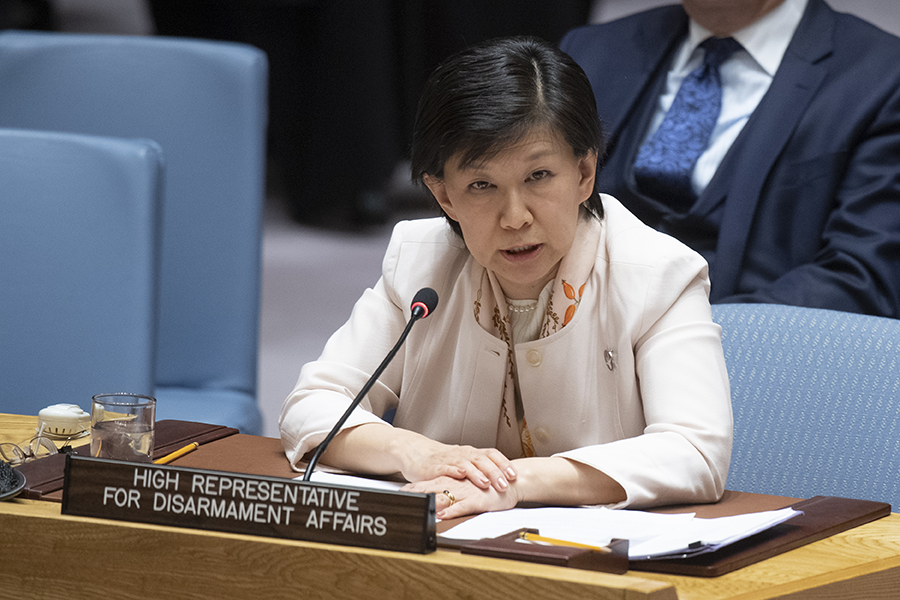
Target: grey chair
(205, 103)
(816, 396)
(79, 228)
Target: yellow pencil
(177, 454)
(540, 539)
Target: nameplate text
(249, 504)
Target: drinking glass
(122, 426)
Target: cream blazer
(635, 385)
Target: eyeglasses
(37, 447)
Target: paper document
(354, 481)
(707, 535)
(650, 535)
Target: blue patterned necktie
(666, 161)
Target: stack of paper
(650, 535)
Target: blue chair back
(205, 103)
(79, 224)
(816, 396)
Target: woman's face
(518, 210)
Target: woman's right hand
(376, 448)
(424, 459)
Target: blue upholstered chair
(79, 225)
(205, 103)
(816, 397)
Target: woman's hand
(484, 468)
(480, 479)
(460, 497)
(381, 449)
(548, 480)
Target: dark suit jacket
(809, 195)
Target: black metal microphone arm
(420, 310)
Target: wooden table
(44, 553)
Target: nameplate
(249, 504)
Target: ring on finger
(450, 496)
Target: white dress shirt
(746, 77)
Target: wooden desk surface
(89, 558)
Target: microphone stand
(417, 314)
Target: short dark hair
(491, 95)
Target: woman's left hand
(460, 497)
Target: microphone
(423, 304)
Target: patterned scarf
(492, 314)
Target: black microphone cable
(423, 304)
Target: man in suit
(795, 199)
